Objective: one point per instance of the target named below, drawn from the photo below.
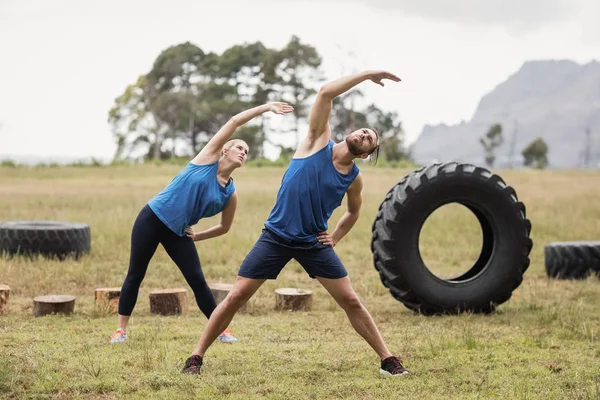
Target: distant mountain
(556, 100)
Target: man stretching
(318, 176)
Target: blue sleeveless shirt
(311, 189)
(193, 194)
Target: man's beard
(353, 147)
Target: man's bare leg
(360, 318)
(243, 290)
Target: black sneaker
(391, 366)
(193, 365)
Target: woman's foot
(227, 337)
(119, 336)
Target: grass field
(542, 344)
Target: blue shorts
(272, 252)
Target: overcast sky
(65, 61)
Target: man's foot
(391, 366)
(119, 336)
(227, 337)
(193, 365)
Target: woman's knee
(134, 280)
(197, 282)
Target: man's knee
(237, 298)
(350, 301)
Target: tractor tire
(572, 260)
(51, 239)
(504, 256)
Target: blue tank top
(311, 189)
(193, 194)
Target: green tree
(179, 100)
(296, 69)
(345, 120)
(490, 141)
(536, 154)
(132, 123)
(391, 134)
(189, 94)
(243, 66)
(158, 107)
(251, 69)
(178, 81)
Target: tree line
(188, 94)
(535, 154)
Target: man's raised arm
(321, 110)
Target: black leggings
(148, 231)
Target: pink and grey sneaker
(193, 365)
(227, 337)
(119, 336)
(391, 366)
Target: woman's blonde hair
(232, 143)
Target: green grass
(541, 344)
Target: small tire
(52, 239)
(505, 251)
(572, 260)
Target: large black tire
(51, 239)
(572, 260)
(506, 244)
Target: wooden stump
(53, 304)
(221, 290)
(4, 294)
(293, 299)
(108, 298)
(169, 301)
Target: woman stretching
(202, 189)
